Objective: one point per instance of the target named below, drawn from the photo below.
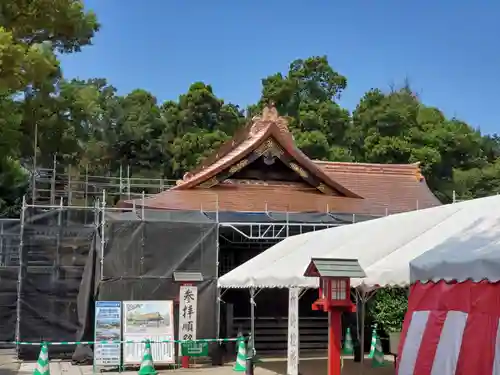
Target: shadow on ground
(318, 366)
(9, 365)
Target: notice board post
(188, 306)
(107, 327)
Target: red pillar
(334, 337)
(185, 361)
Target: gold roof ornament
(269, 115)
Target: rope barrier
(120, 342)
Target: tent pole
(360, 324)
(252, 319)
(362, 338)
(364, 296)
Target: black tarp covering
(62, 272)
(56, 254)
(9, 269)
(141, 255)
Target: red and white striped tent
(452, 324)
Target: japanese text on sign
(107, 328)
(148, 320)
(187, 312)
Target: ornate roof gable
(267, 135)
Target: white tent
(478, 258)
(384, 247)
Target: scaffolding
(49, 185)
(86, 200)
(53, 247)
(456, 199)
(47, 251)
(9, 242)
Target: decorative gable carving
(267, 136)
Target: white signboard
(148, 320)
(293, 332)
(188, 304)
(107, 327)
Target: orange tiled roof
(395, 187)
(386, 189)
(358, 188)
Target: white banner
(148, 320)
(293, 332)
(188, 304)
(107, 327)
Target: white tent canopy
(384, 247)
(471, 254)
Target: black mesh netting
(62, 273)
(9, 271)
(58, 248)
(142, 255)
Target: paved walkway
(8, 362)
(318, 366)
(269, 366)
(66, 368)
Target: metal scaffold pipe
(86, 184)
(142, 205)
(103, 223)
(121, 180)
(128, 181)
(20, 275)
(217, 244)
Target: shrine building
(260, 188)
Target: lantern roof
(334, 267)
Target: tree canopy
(89, 126)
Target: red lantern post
(334, 298)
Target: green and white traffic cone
(378, 356)
(241, 357)
(348, 346)
(373, 343)
(147, 366)
(42, 365)
(239, 337)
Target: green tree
(307, 94)
(395, 127)
(31, 32)
(138, 130)
(195, 125)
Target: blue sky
(448, 50)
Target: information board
(148, 320)
(108, 327)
